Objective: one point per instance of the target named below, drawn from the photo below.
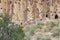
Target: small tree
(9, 30)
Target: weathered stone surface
(22, 11)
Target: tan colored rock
(25, 10)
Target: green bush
(53, 26)
(9, 30)
(41, 36)
(56, 32)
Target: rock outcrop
(22, 11)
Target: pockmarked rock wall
(23, 11)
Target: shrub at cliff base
(9, 30)
(34, 32)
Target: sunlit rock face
(23, 11)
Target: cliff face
(23, 11)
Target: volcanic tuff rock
(23, 11)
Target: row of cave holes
(56, 16)
(15, 2)
(10, 1)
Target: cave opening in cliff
(56, 16)
(42, 0)
(10, 2)
(46, 15)
(21, 23)
(0, 1)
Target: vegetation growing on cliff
(9, 30)
(40, 31)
